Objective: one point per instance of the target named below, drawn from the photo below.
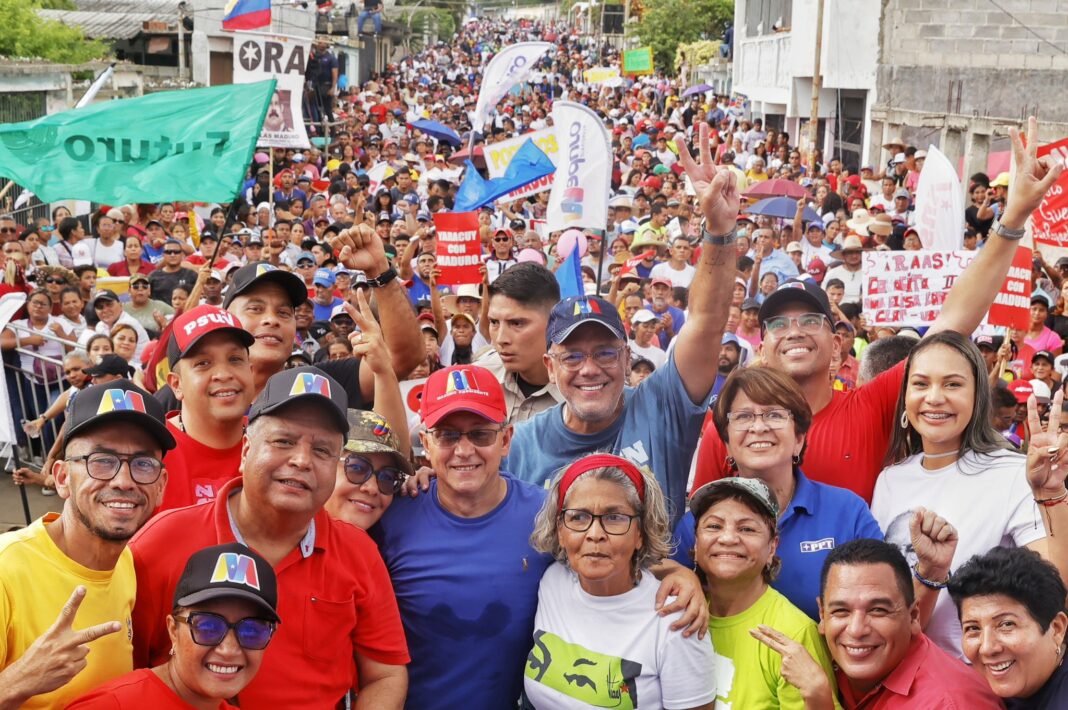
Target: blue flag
(569, 275)
(528, 164)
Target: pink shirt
(1046, 340)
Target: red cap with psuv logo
(195, 323)
(1021, 389)
(462, 388)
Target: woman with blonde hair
(605, 523)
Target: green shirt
(748, 673)
(143, 315)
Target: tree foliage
(667, 23)
(697, 53)
(24, 34)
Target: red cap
(1021, 389)
(194, 324)
(661, 280)
(653, 182)
(462, 388)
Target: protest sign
(412, 392)
(583, 177)
(638, 61)
(1049, 223)
(499, 155)
(511, 66)
(148, 149)
(939, 204)
(908, 288)
(602, 75)
(459, 251)
(258, 57)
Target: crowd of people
(704, 483)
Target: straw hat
(860, 221)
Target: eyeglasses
(358, 470)
(104, 467)
(448, 438)
(581, 521)
(572, 360)
(209, 629)
(55, 280)
(773, 418)
(172, 252)
(806, 322)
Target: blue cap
(323, 277)
(423, 216)
(306, 255)
(570, 313)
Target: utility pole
(817, 81)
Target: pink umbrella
(777, 187)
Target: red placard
(1012, 305)
(1049, 223)
(459, 248)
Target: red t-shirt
(135, 691)
(846, 443)
(196, 472)
(335, 603)
(927, 677)
(199, 260)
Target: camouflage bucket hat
(369, 433)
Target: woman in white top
(597, 634)
(946, 458)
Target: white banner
(499, 155)
(509, 67)
(10, 303)
(939, 204)
(909, 287)
(377, 175)
(258, 57)
(583, 178)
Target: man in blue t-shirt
(656, 424)
(324, 302)
(459, 555)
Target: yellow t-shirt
(36, 580)
(748, 673)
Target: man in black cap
(108, 309)
(331, 576)
(169, 274)
(74, 565)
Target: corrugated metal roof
(120, 20)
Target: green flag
(193, 144)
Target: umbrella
(699, 89)
(478, 158)
(783, 208)
(437, 130)
(777, 187)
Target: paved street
(11, 511)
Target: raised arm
(974, 292)
(710, 292)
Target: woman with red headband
(597, 634)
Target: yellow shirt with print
(748, 673)
(36, 580)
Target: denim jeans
(376, 16)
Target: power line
(1026, 27)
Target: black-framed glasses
(104, 467)
(208, 629)
(448, 438)
(502, 240)
(772, 418)
(172, 252)
(139, 284)
(572, 360)
(581, 520)
(55, 280)
(359, 469)
(7, 230)
(809, 323)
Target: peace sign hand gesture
(717, 189)
(1046, 463)
(367, 342)
(799, 668)
(1034, 176)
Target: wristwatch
(1013, 235)
(383, 278)
(718, 240)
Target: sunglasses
(55, 280)
(7, 230)
(358, 470)
(139, 284)
(210, 629)
(172, 252)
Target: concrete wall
(966, 56)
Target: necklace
(941, 456)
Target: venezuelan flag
(246, 14)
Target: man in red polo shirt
(871, 623)
(850, 431)
(340, 626)
(212, 377)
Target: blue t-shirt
(152, 255)
(659, 428)
(468, 591)
(417, 289)
(323, 312)
(818, 519)
(678, 319)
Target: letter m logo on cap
(791, 284)
(236, 569)
(263, 269)
(458, 382)
(309, 383)
(115, 400)
(585, 306)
